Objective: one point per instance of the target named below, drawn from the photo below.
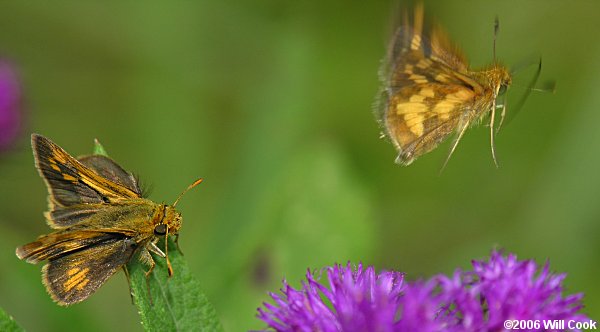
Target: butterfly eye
(160, 229)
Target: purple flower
(496, 290)
(515, 289)
(356, 300)
(10, 104)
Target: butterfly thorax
(491, 83)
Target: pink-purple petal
(10, 105)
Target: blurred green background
(271, 102)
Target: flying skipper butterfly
(101, 219)
(429, 91)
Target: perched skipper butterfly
(429, 91)
(101, 222)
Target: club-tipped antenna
(197, 182)
(549, 87)
(531, 87)
(496, 28)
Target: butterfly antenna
(503, 114)
(169, 267)
(197, 182)
(530, 87)
(496, 28)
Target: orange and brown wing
(59, 244)
(109, 169)
(77, 191)
(79, 262)
(73, 277)
(428, 41)
(426, 91)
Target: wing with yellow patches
(73, 277)
(427, 93)
(88, 187)
(416, 125)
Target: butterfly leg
(147, 259)
(128, 283)
(492, 134)
(169, 267)
(177, 244)
(502, 115)
(463, 128)
(155, 249)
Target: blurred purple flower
(10, 104)
(358, 299)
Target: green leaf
(99, 149)
(7, 324)
(177, 304)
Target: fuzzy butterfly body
(101, 222)
(429, 92)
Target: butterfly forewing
(75, 191)
(59, 244)
(65, 172)
(110, 223)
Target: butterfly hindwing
(73, 277)
(109, 169)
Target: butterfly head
(170, 224)
(500, 78)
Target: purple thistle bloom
(10, 104)
(512, 290)
(358, 299)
